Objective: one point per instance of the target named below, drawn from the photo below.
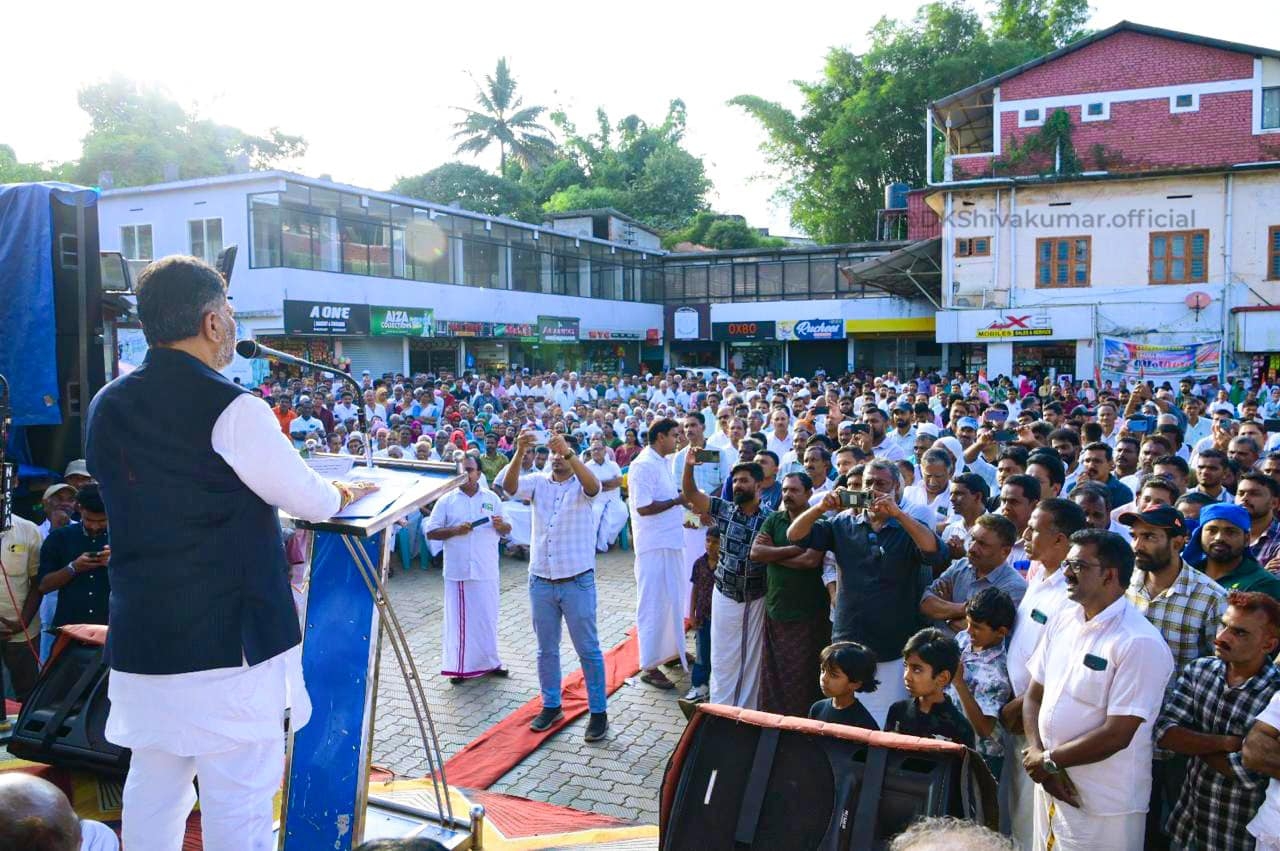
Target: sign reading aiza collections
(754, 330)
(326, 317)
(402, 321)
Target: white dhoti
(1073, 829)
(520, 516)
(695, 547)
(1017, 792)
(610, 516)
(661, 603)
(737, 650)
(470, 641)
(890, 691)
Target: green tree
(1048, 24)
(471, 188)
(861, 126)
(721, 232)
(12, 171)
(505, 120)
(135, 132)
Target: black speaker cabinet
(740, 779)
(63, 720)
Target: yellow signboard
(894, 325)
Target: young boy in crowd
(983, 686)
(929, 663)
(846, 669)
(704, 581)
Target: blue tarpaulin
(27, 356)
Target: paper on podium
(331, 466)
(392, 484)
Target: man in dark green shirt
(1223, 538)
(797, 608)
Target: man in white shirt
(345, 410)
(562, 583)
(610, 511)
(662, 582)
(1095, 692)
(20, 623)
(903, 434)
(779, 440)
(881, 446)
(470, 523)
(1048, 540)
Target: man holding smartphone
(73, 562)
(469, 522)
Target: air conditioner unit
(981, 299)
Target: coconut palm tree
(503, 118)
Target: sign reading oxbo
(810, 329)
(751, 330)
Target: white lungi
(470, 642)
(890, 691)
(737, 650)
(1017, 792)
(1076, 830)
(695, 547)
(661, 603)
(520, 516)
(610, 516)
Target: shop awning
(910, 272)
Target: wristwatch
(1048, 764)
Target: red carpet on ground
(504, 745)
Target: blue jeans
(700, 674)
(575, 602)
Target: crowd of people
(1078, 581)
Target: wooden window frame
(1071, 263)
(1168, 235)
(1273, 253)
(965, 246)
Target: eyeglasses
(1075, 565)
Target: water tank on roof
(895, 196)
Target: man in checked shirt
(1187, 607)
(1206, 717)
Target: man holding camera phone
(880, 551)
(73, 562)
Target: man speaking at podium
(203, 640)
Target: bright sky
(371, 86)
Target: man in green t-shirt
(797, 608)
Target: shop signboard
(521, 332)
(687, 321)
(1122, 359)
(1016, 325)
(326, 317)
(810, 329)
(1011, 326)
(558, 329)
(401, 321)
(610, 334)
(456, 328)
(752, 330)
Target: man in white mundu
(610, 511)
(662, 582)
(469, 522)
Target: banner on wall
(401, 321)
(1122, 359)
(810, 329)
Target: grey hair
(882, 464)
(950, 834)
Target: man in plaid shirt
(1206, 717)
(1187, 607)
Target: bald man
(36, 816)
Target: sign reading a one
(755, 330)
(558, 329)
(326, 317)
(401, 321)
(810, 329)
(1027, 325)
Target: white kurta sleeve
(248, 438)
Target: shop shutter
(376, 355)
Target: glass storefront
(1036, 360)
(611, 357)
(695, 353)
(755, 357)
(433, 355)
(318, 349)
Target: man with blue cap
(1221, 549)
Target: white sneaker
(698, 693)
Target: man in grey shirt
(986, 565)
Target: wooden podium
(344, 618)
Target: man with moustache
(1209, 711)
(1094, 696)
(1222, 541)
(797, 626)
(1186, 606)
(881, 445)
(737, 604)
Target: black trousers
(22, 667)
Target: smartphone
(707, 456)
(821, 411)
(996, 415)
(1005, 435)
(480, 522)
(861, 428)
(1138, 425)
(855, 499)
(1271, 425)
(541, 438)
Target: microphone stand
(8, 471)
